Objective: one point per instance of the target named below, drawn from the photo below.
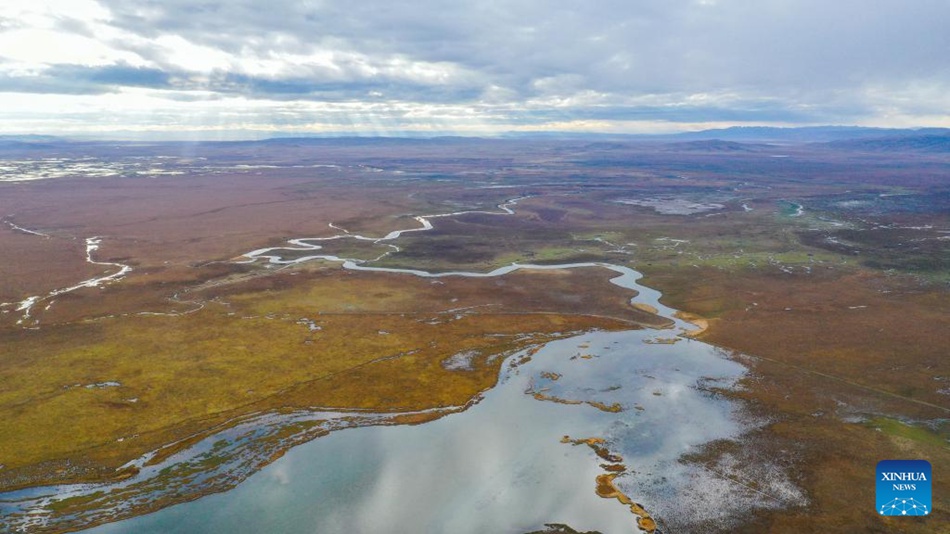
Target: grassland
(106, 390)
(839, 309)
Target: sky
(468, 67)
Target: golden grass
(698, 321)
(646, 307)
(101, 393)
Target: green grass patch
(541, 255)
(73, 502)
(916, 433)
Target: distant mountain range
(29, 138)
(736, 139)
(28, 142)
(938, 143)
(743, 134)
(930, 140)
(811, 134)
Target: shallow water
(499, 466)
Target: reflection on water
(500, 466)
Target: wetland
(517, 334)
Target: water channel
(506, 463)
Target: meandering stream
(92, 245)
(505, 463)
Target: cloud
(518, 62)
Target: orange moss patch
(542, 397)
(605, 487)
(612, 408)
(596, 445)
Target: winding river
(26, 306)
(513, 460)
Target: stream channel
(503, 463)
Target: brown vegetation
(842, 309)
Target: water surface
(500, 466)
(505, 464)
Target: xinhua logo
(903, 487)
